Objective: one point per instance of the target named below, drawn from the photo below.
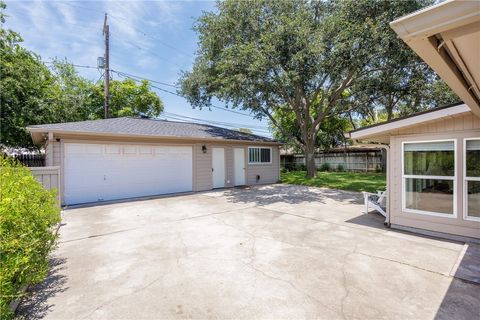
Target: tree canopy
(32, 93)
(304, 57)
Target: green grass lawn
(353, 181)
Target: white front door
(239, 166)
(218, 167)
(98, 172)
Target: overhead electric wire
(217, 122)
(208, 123)
(142, 78)
(114, 16)
(179, 95)
(177, 116)
(153, 37)
(75, 65)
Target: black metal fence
(29, 160)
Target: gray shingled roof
(150, 127)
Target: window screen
(259, 155)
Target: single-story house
(127, 157)
(433, 165)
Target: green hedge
(28, 217)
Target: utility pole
(107, 67)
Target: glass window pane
(265, 155)
(251, 155)
(429, 195)
(473, 198)
(473, 158)
(430, 158)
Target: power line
(142, 78)
(149, 51)
(218, 123)
(208, 123)
(136, 78)
(75, 65)
(153, 37)
(178, 95)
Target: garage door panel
(108, 173)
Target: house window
(429, 178)
(259, 155)
(472, 179)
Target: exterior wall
(202, 162)
(269, 173)
(53, 154)
(456, 128)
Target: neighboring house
(350, 158)
(126, 157)
(433, 169)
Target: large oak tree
(304, 55)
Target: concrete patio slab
(272, 252)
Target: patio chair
(377, 201)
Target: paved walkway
(273, 252)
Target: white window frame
(454, 179)
(260, 163)
(465, 182)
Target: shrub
(340, 168)
(325, 166)
(28, 216)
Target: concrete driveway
(271, 252)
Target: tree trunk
(389, 114)
(310, 160)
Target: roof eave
(429, 32)
(37, 133)
(384, 129)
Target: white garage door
(100, 172)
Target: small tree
(301, 55)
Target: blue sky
(151, 39)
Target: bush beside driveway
(28, 216)
(280, 251)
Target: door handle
(212, 169)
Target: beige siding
(203, 169)
(57, 159)
(202, 162)
(457, 128)
(269, 173)
(452, 124)
(49, 177)
(53, 154)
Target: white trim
(465, 182)
(259, 163)
(100, 135)
(411, 121)
(451, 178)
(446, 15)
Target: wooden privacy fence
(370, 161)
(30, 160)
(49, 177)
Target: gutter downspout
(386, 147)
